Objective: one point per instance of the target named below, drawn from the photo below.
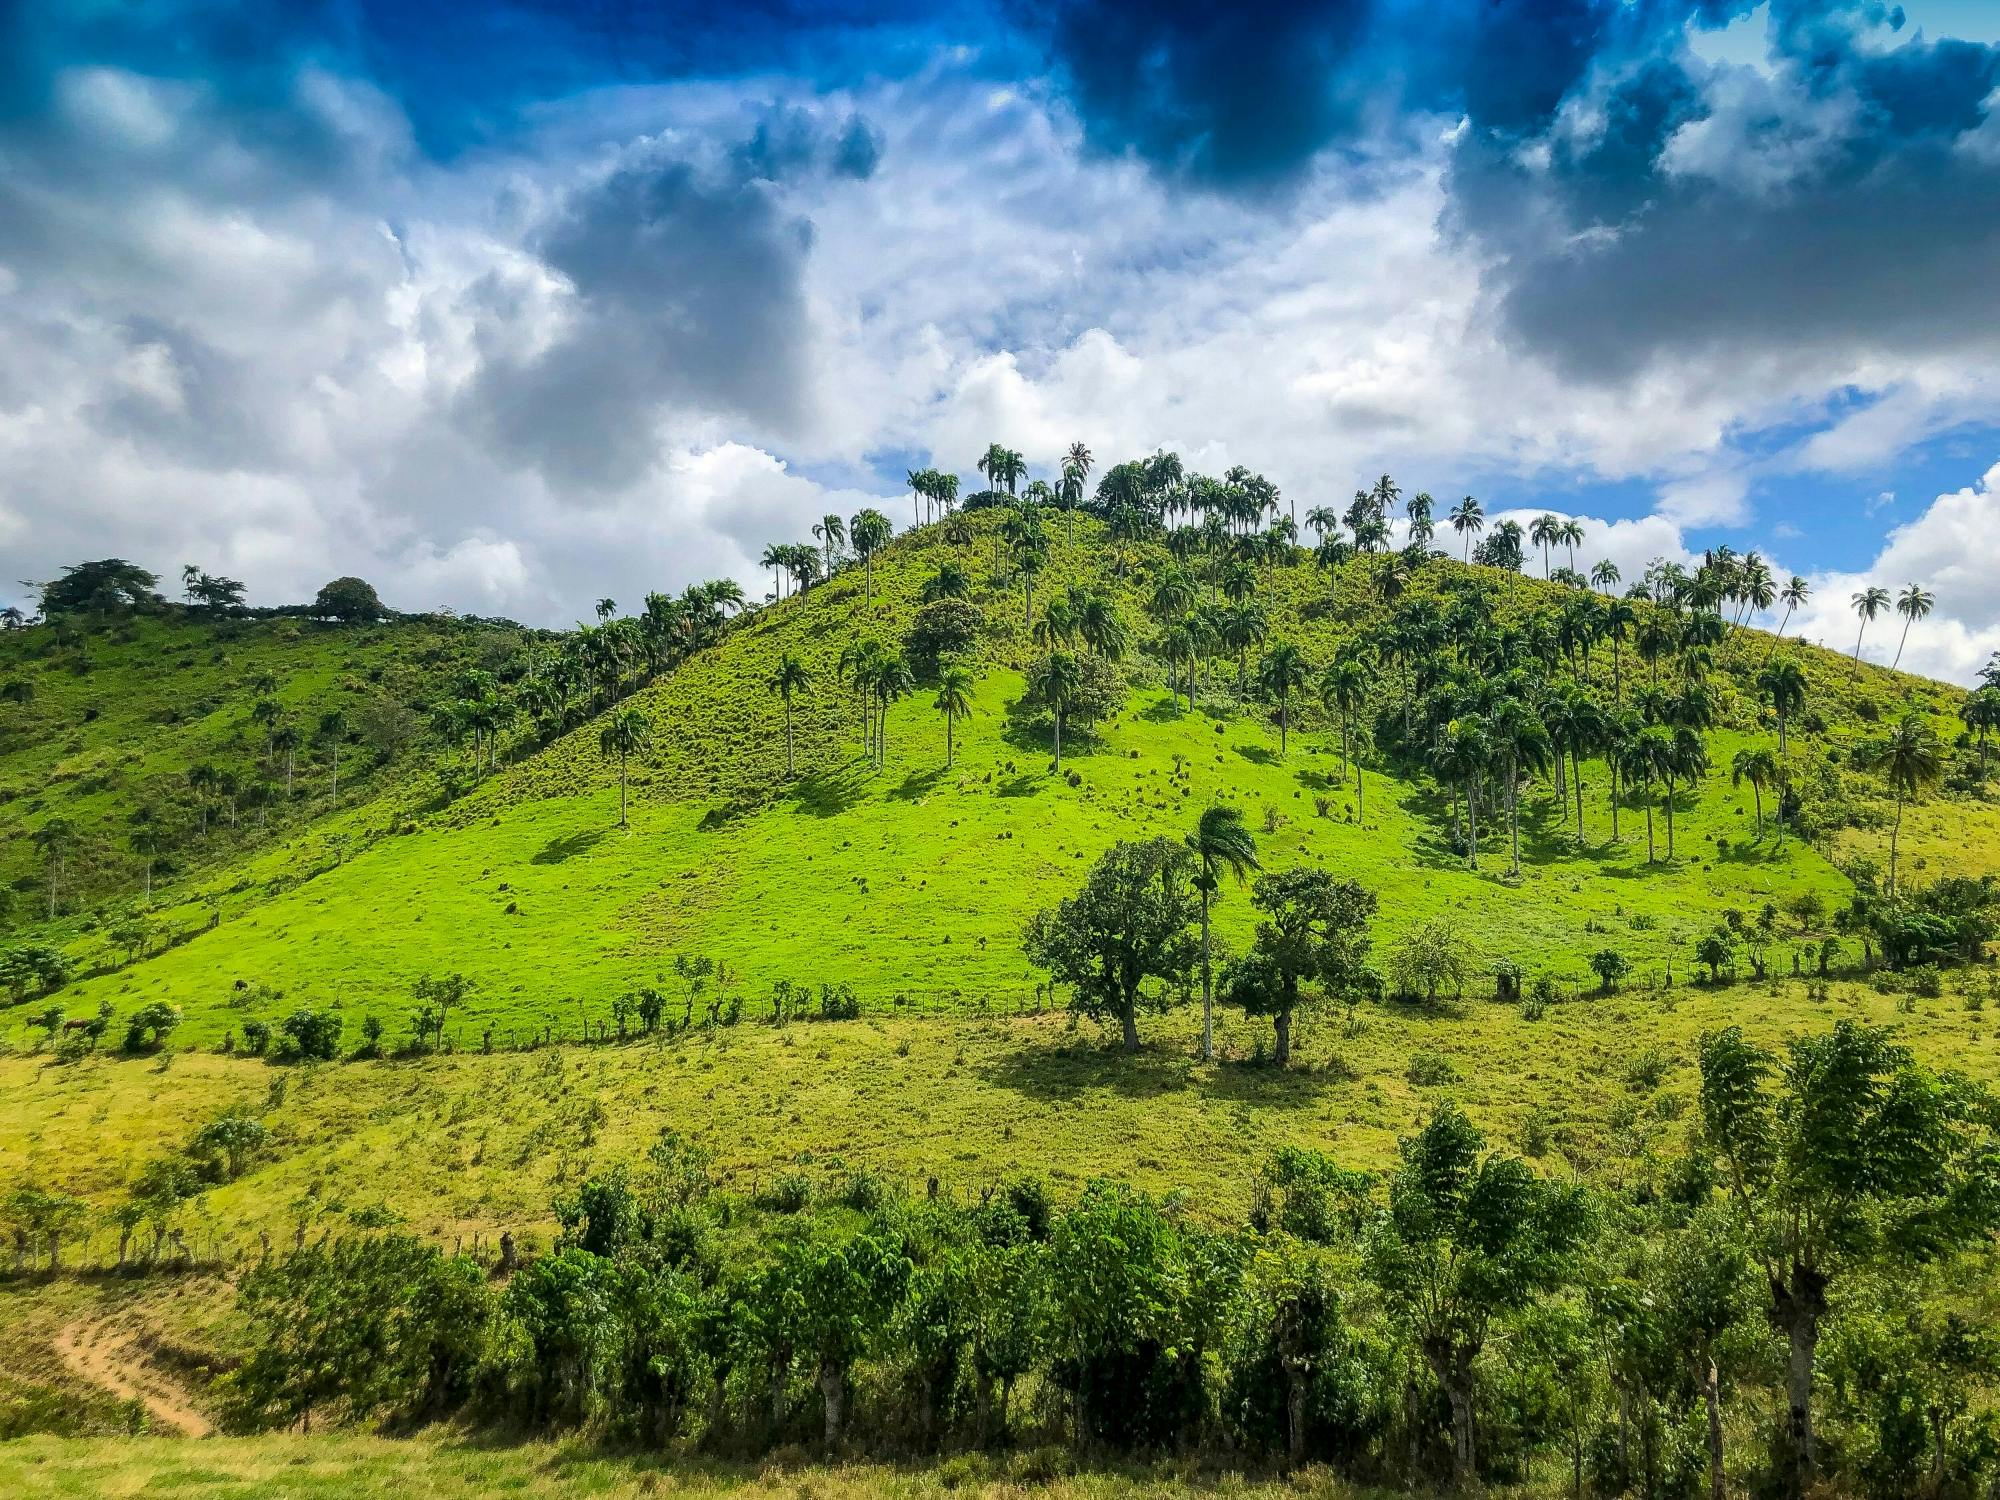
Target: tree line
(1789, 1303)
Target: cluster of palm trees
(798, 566)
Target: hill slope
(912, 883)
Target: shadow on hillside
(1066, 1074)
(918, 785)
(723, 814)
(827, 794)
(1317, 781)
(1162, 711)
(1257, 754)
(1027, 784)
(556, 850)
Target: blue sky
(509, 306)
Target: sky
(514, 305)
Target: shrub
(309, 1034)
(1428, 1070)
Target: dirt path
(105, 1357)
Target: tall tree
(1857, 1156)
(868, 533)
(1128, 924)
(1281, 673)
(1056, 681)
(1313, 928)
(1221, 843)
(954, 701)
(790, 679)
(626, 733)
(1785, 685)
(1468, 519)
(53, 839)
(1911, 760)
(1757, 766)
(1913, 604)
(1469, 1236)
(1868, 604)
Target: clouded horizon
(512, 306)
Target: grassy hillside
(912, 882)
(101, 723)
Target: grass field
(911, 882)
(353, 1467)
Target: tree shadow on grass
(1162, 711)
(826, 794)
(1257, 754)
(1081, 1067)
(918, 785)
(722, 815)
(568, 846)
(1026, 784)
(1317, 781)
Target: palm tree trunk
(621, 789)
(1576, 781)
(1895, 833)
(1472, 821)
(1059, 719)
(947, 739)
(788, 741)
(1207, 981)
(1514, 813)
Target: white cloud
(1949, 550)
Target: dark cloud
(688, 297)
(1243, 97)
(1844, 210)
(793, 141)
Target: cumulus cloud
(1949, 550)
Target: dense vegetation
(1128, 750)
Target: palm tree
(1785, 685)
(626, 733)
(774, 558)
(1220, 842)
(1281, 673)
(1243, 626)
(1793, 596)
(201, 781)
(1604, 575)
(1912, 604)
(1570, 535)
(869, 532)
(331, 731)
(949, 582)
(832, 533)
(606, 608)
(1056, 681)
(1521, 744)
(149, 843)
(1911, 760)
(1981, 713)
(287, 739)
(919, 481)
(1869, 603)
(52, 838)
(790, 679)
(954, 701)
(1545, 531)
(1462, 757)
(1468, 519)
(1645, 758)
(1760, 769)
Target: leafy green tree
(312, 1035)
(787, 682)
(1706, 1291)
(33, 967)
(1128, 924)
(1280, 673)
(1521, 746)
(150, 1026)
(351, 600)
(1610, 966)
(833, 1303)
(1841, 1154)
(233, 1137)
(1468, 1237)
(1428, 958)
(108, 586)
(149, 842)
(954, 701)
(1314, 929)
(1715, 950)
(359, 1327)
(1912, 761)
(626, 733)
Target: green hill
(910, 882)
